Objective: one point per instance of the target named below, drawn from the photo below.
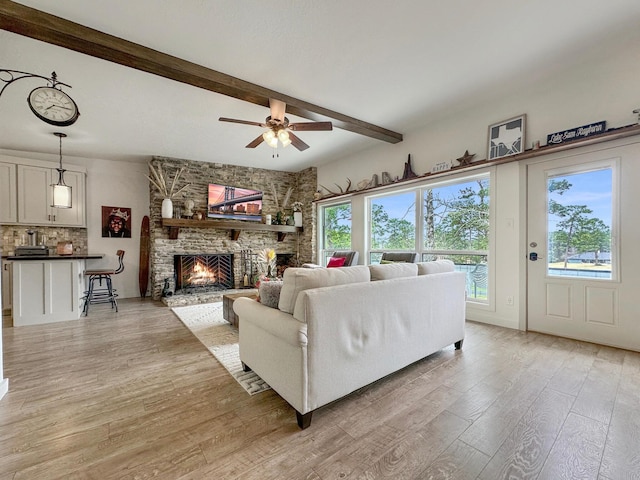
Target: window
(579, 222)
(336, 230)
(456, 227)
(392, 224)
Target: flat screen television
(228, 202)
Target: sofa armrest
(272, 320)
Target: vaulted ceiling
(394, 66)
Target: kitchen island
(47, 288)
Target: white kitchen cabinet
(34, 197)
(8, 196)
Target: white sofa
(338, 329)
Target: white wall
(604, 88)
(117, 184)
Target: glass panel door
(579, 216)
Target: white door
(583, 236)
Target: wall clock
(53, 106)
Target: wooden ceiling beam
(48, 28)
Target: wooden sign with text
(576, 133)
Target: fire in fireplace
(284, 261)
(212, 271)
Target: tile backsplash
(15, 235)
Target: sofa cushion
(437, 266)
(269, 293)
(296, 280)
(336, 262)
(393, 270)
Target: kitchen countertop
(86, 256)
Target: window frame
(323, 252)
(419, 189)
(612, 164)
(368, 201)
(439, 252)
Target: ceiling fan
(279, 128)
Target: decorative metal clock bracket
(10, 76)
(49, 103)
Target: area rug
(221, 339)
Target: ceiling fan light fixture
(278, 128)
(283, 136)
(270, 138)
(286, 142)
(268, 135)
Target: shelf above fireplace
(235, 227)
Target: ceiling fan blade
(256, 142)
(311, 126)
(243, 122)
(296, 142)
(277, 109)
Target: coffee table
(227, 305)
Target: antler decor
(342, 191)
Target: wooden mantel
(234, 226)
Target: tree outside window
(393, 222)
(579, 224)
(456, 227)
(336, 232)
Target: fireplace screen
(203, 272)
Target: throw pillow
(336, 262)
(387, 262)
(393, 270)
(269, 293)
(297, 280)
(436, 266)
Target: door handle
(533, 256)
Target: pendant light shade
(61, 195)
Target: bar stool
(99, 293)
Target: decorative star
(466, 158)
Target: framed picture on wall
(116, 222)
(506, 138)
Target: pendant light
(61, 195)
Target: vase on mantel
(167, 208)
(297, 219)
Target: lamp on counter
(61, 197)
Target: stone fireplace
(194, 273)
(295, 248)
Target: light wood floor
(134, 395)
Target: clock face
(53, 106)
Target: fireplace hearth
(203, 272)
